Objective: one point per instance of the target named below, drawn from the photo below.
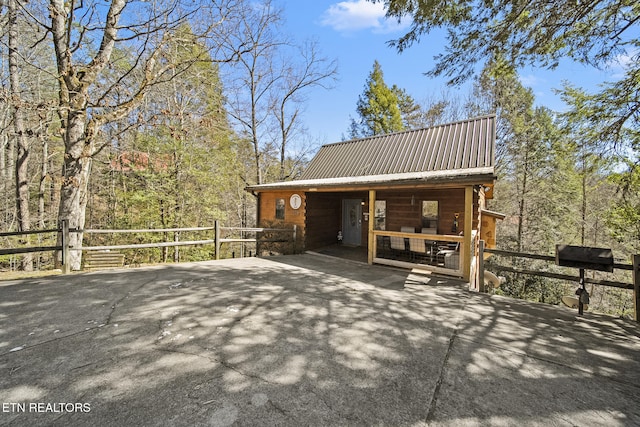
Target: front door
(352, 221)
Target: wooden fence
(634, 267)
(64, 246)
(217, 240)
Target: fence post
(66, 267)
(481, 286)
(636, 287)
(217, 239)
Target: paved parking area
(303, 340)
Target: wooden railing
(634, 267)
(218, 239)
(64, 246)
(437, 246)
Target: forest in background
(115, 123)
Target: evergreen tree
(623, 217)
(179, 167)
(522, 149)
(378, 108)
(411, 113)
(525, 158)
(588, 150)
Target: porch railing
(436, 252)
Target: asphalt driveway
(303, 340)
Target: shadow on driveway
(303, 340)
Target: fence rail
(64, 245)
(22, 233)
(65, 231)
(634, 267)
(551, 258)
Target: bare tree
(253, 79)
(99, 54)
(310, 70)
(22, 143)
(267, 84)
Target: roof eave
(462, 176)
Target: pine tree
(378, 108)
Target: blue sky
(355, 33)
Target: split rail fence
(634, 267)
(217, 241)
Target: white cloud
(350, 16)
(622, 63)
(530, 80)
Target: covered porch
(416, 227)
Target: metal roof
(464, 148)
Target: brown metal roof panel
(415, 148)
(415, 151)
(377, 155)
(391, 163)
(403, 152)
(480, 143)
(456, 145)
(315, 165)
(466, 158)
(476, 134)
(467, 146)
(483, 146)
(441, 147)
(369, 155)
(381, 155)
(429, 137)
(449, 160)
(444, 147)
(456, 155)
(395, 164)
(389, 150)
(409, 147)
(491, 151)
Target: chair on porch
(421, 248)
(450, 257)
(399, 243)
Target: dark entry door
(352, 221)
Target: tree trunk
(78, 134)
(522, 198)
(22, 146)
(75, 178)
(42, 188)
(583, 207)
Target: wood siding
(401, 213)
(292, 216)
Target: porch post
(371, 247)
(468, 225)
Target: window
(380, 212)
(279, 208)
(430, 214)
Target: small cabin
(412, 199)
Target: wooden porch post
(468, 224)
(371, 247)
